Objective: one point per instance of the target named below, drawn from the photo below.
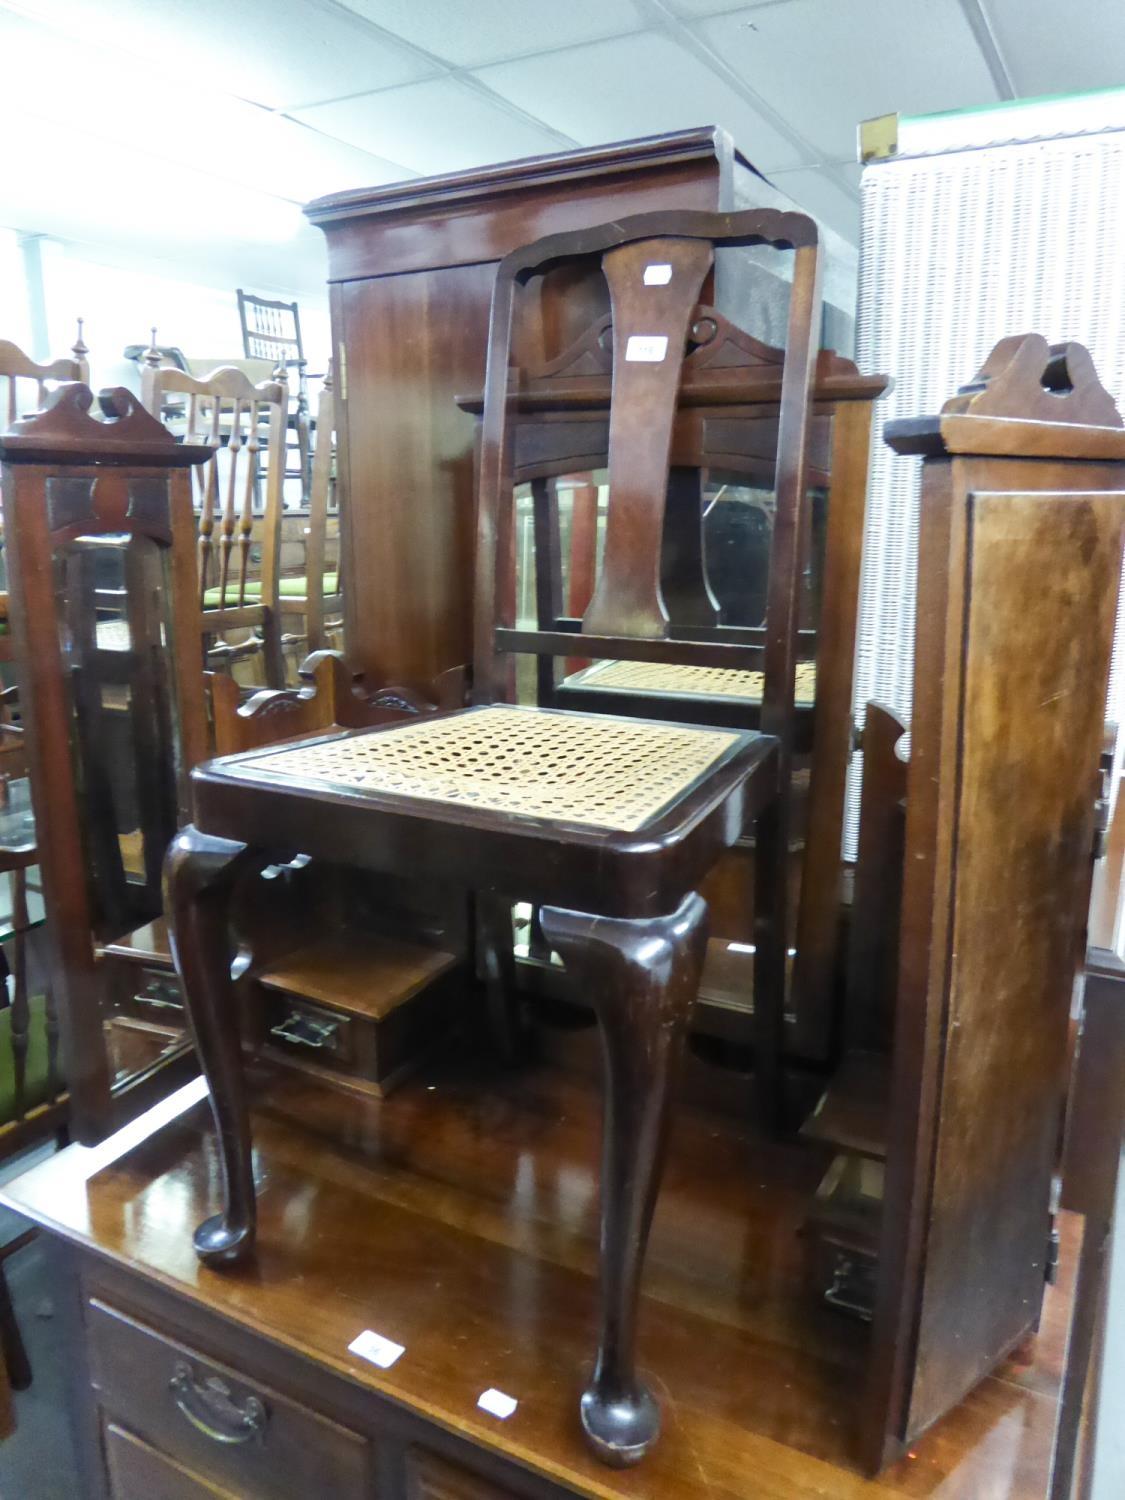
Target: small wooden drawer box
(358, 1009)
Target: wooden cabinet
(411, 271)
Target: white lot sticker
(497, 1404)
(373, 1346)
(650, 348)
(658, 275)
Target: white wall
(121, 299)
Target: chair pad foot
(216, 1244)
(620, 1431)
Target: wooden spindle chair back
(238, 499)
(270, 330)
(322, 603)
(24, 383)
(656, 267)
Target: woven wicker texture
(703, 682)
(569, 768)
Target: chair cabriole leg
(199, 872)
(641, 975)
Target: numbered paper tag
(497, 1404)
(648, 348)
(373, 1346)
(657, 274)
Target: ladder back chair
(608, 824)
(24, 385)
(272, 330)
(315, 597)
(241, 423)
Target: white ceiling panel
(638, 85)
(198, 129)
(470, 32)
(824, 65)
(693, 9)
(1053, 48)
(440, 126)
(820, 195)
(274, 52)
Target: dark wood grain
(1019, 562)
(459, 1219)
(113, 460)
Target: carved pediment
(1028, 378)
(64, 430)
(714, 343)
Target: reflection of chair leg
(11, 1341)
(506, 1018)
(199, 874)
(642, 977)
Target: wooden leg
(506, 1019)
(12, 1347)
(199, 873)
(641, 977)
(771, 872)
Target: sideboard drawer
(430, 1478)
(138, 1472)
(228, 1429)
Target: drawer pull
(305, 1031)
(160, 994)
(210, 1410)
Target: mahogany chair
(227, 412)
(101, 536)
(716, 570)
(609, 824)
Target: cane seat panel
(598, 771)
(667, 680)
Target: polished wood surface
(67, 476)
(1019, 565)
(411, 271)
(459, 1220)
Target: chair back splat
(657, 267)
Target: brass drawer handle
(210, 1410)
(304, 1031)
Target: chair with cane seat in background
(608, 824)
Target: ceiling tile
(487, 30)
(1058, 49)
(693, 9)
(820, 195)
(440, 126)
(638, 85)
(824, 65)
(217, 132)
(277, 53)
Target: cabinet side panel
(1042, 576)
(412, 344)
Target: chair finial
(152, 353)
(78, 348)
(328, 382)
